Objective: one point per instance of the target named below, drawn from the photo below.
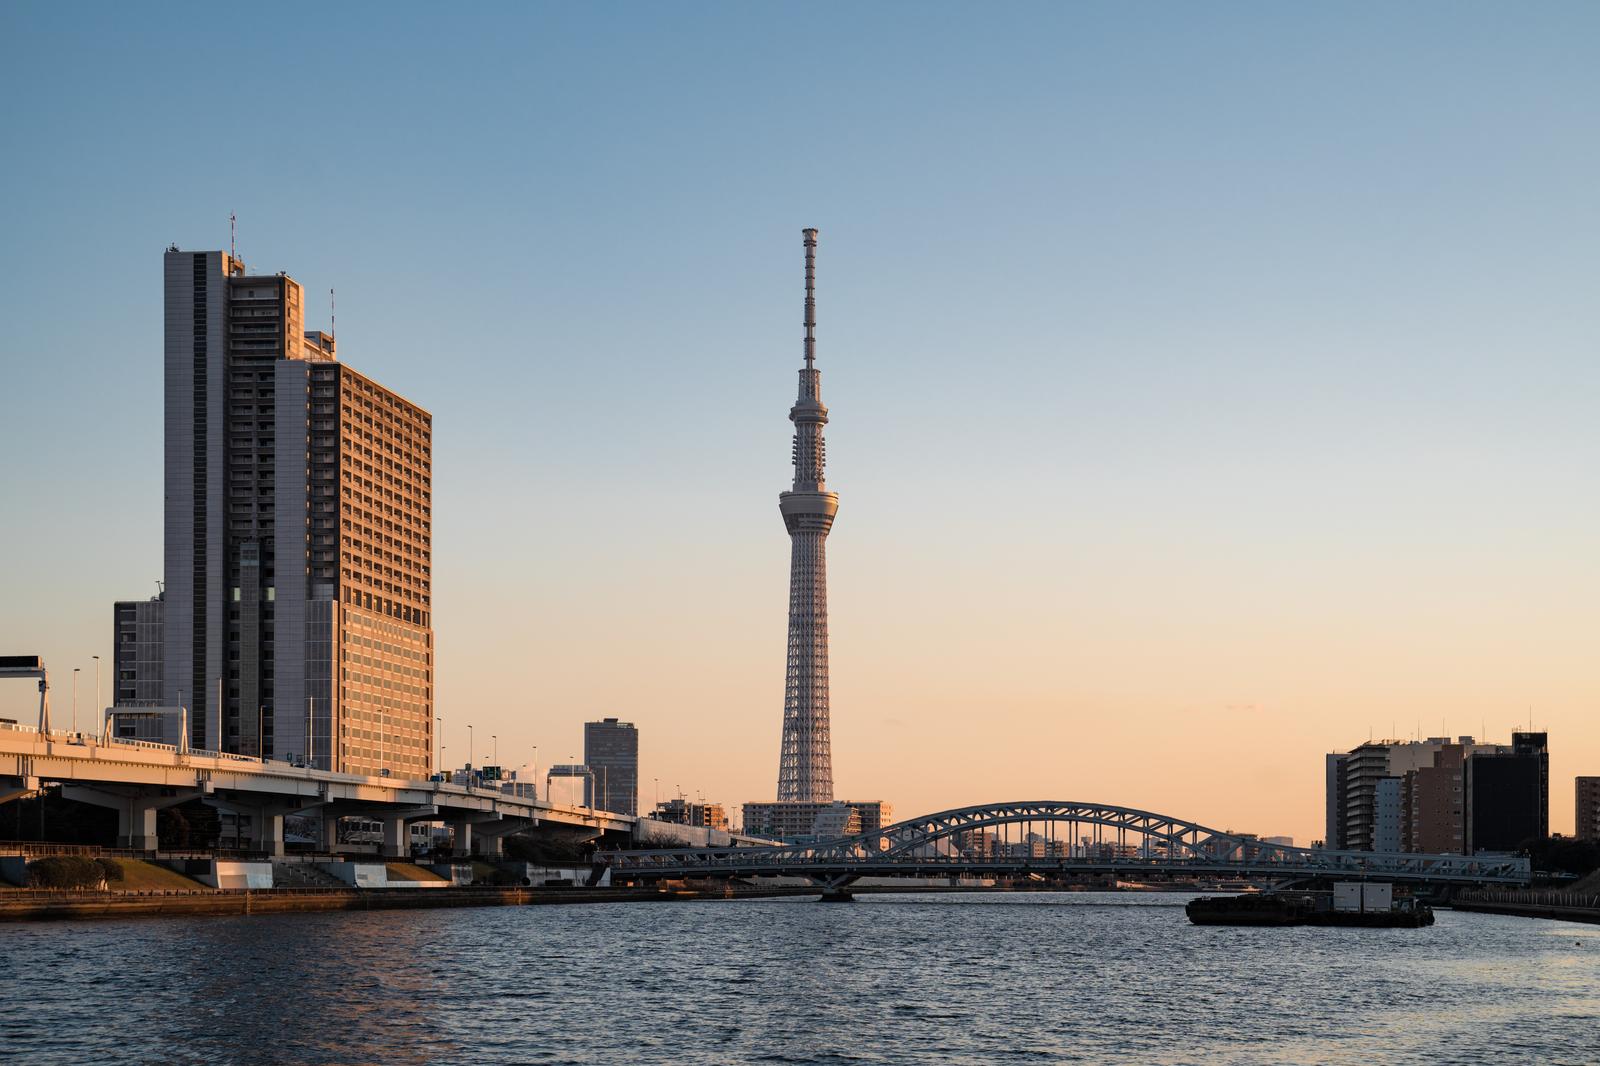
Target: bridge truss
(1050, 836)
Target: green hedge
(72, 871)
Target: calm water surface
(904, 979)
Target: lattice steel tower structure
(805, 771)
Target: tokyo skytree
(805, 770)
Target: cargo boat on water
(1350, 904)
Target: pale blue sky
(1199, 372)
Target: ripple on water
(905, 980)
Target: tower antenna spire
(333, 316)
(233, 236)
(810, 237)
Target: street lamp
(536, 774)
(101, 707)
(75, 699)
(440, 720)
(469, 745)
(495, 739)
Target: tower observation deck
(805, 770)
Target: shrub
(71, 871)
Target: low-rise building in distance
(798, 822)
(680, 811)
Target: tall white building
(297, 618)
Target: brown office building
(1587, 825)
(297, 618)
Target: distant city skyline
(1217, 387)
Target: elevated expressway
(138, 778)
(1050, 839)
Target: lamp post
(536, 773)
(75, 699)
(99, 706)
(469, 745)
(494, 738)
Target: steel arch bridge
(976, 841)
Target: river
(1034, 978)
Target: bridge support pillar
(837, 889)
(488, 835)
(396, 838)
(268, 831)
(136, 827)
(136, 810)
(461, 835)
(266, 820)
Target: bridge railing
(130, 742)
(752, 861)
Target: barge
(1350, 904)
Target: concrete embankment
(1530, 903)
(32, 905)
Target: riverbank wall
(40, 905)
(1530, 903)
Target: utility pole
(75, 699)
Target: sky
(1212, 386)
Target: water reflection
(1042, 978)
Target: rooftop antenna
(333, 317)
(233, 236)
(810, 237)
